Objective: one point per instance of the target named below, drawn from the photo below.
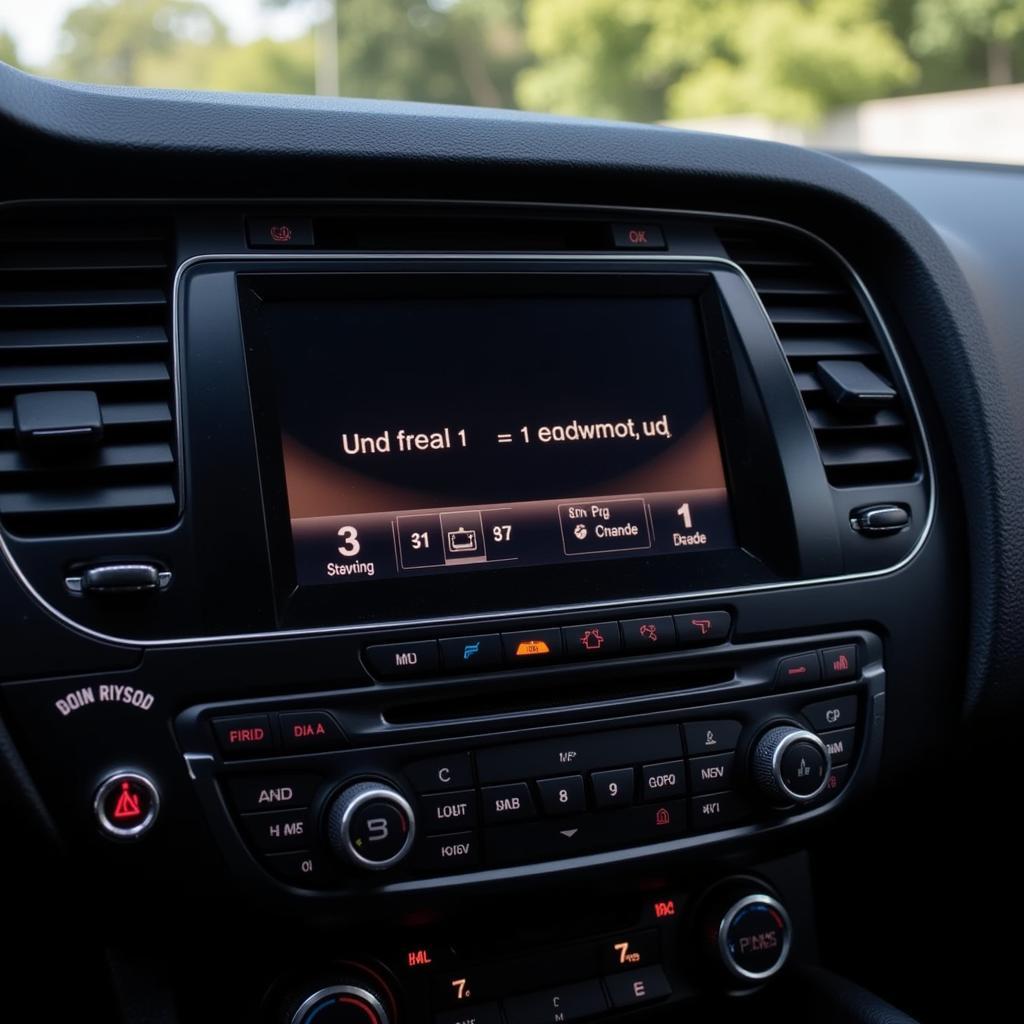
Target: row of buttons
(589, 640)
(529, 814)
(574, 1001)
(291, 732)
(835, 665)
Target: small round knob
(790, 765)
(354, 1003)
(753, 937)
(371, 825)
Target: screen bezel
(766, 551)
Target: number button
(562, 796)
(612, 788)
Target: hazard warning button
(126, 805)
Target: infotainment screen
(439, 434)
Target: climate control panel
(346, 810)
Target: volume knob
(790, 765)
(371, 825)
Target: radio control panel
(320, 797)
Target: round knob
(354, 1003)
(753, 936)
(372, 825)
(790, 764)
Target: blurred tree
(8, 49)
(107, 40)
(943, 27)
(445, 51)
(265, 65)
(651, 59)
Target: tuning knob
(371, 825)
(340, 999)
(747, 931)
(790, 765)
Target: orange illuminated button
(531, 647)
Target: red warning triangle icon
(127, 805)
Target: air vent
(859, 418)
(87, 431)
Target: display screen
(442, 435)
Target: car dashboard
(462, 567)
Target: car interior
(468, 566)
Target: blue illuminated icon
(469, 650)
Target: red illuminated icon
(592, 640)
(637, 236)
(797, 670)
(305, 729)
(419, 958)
(665, 908)
(128, 805)
(663, 817)
(841, 664)
(650, 632)
(704, 625)
(280, 232)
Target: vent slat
(828, 348)
(806, 316)
(73, 501)
(34, 259)
(819, 318)
(109, 456)
(91, 374)
(83, 307)
(114, 414)
(92, 338)
(842, 456)
(83, 298)
(827, 420)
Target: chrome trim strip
(454, 620)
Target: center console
(421, 561)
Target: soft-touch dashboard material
(555, 756)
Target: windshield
(932, 78)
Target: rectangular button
(301, 867)
(840, 745)
(557, 1005)
(627, 952)
(709, 737)
(278, 831)
(637, 236)
(531, 648)
(719, 810)
(839, 663)
(657, 633)
(471, 653)
(280, 232)
(309, 730)
(838, 713)
(799, 669)
(512, 802)
(244, 734)
(562, 796)
(435, 774)
(272, 792)
(399, 661)
(661, 781)
(553, 838)
(578, 753)
(453, 852)
(711, 774)
(482, 1013)
(836, 780)
(613, 788)
(446, 812)
(696, 628)
(636, 987)
(591, 640)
